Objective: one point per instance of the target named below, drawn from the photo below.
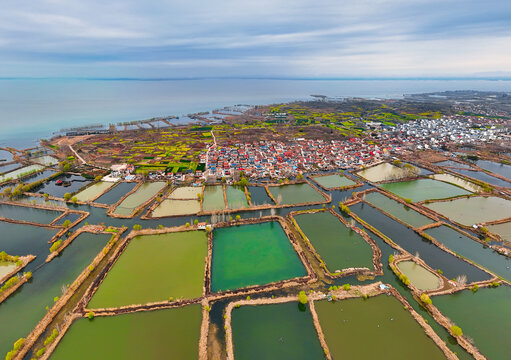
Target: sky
(255, 39)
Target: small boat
(59, 182)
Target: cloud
(299, 38)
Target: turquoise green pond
(236, 198)
(473, 210)
(276, 331)
(94, 191)
(398, 210)
(254, 254)
(295, 194)
(140, 196)
(424, 189)
(213, 198)
(171, 207)
(420, 277)
(504, 230)
(376, 328)
(339, 247)
(333, 181)
(6, 267)
(484, 316)
(154, 268)
(160, 334)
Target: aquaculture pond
(339, 247)
(383, 172)
(472, 250)
(436, 258)
(236, 198)
(23, 309)
(467, 185)
(8, 167)
(484, 316)
(6, 267)
(115, 194)
(503, 230)
(398, 210)
(186, 192)
(473, 210)
(145, 192)
(276, 331)
(387, 329)
(154, 268)
(72, 217)
(423, 189)
(295, 194)
(496, 168)
(259, 196)
(46, 160)
(35, 215)
(171, 207)
(419, 276)
(160, 334)
(51, 187)
(254, 254)
(333, 181)
(94, 191)
(15, 174)
(482, 176)
(452, 163)
(213, 198)
(38, 176)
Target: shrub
(55, 299)
(456, 330)
(28, 275)
(137, 227)
(238, 217)
(248, 297)
(66, 223)
(408, 201)
(195, 222)
(391, 258)
(90, 315)
(344, 208)
(346, 287)
(187, 224)
(51, 338)
(40, 352)
(55, 246)
(67, 196)
(494, 284)
(74, 200)
(207, 308)
(474, 288)
(302, 297)
(98, 178)
(425, 299)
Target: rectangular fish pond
(213, 198)
(376, 328)
(154, 268)
(419, 276)
(51, 187)
(396, 209)
(484, 316)
(467, 185)
(496, 168)
(295, 194)
(171, 207)
(473, 210)
(186, 193)
(275, 331)
(503, 230)
(145, 192)
(424, 189)
(113, 195)
(383, 172)
(333, 181)
(254, 254)
(338, 246)
(94, 191)
(30, 214)
(482, 176)
(236, 198)
(159, 334)
(259, 196)
(15, 174)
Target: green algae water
(377, 328)
(22, 310)
(338, 246)
(154, 268)
(398, 210)
(171, 207)
(141, 195)
(276, 331)
(473, 210)
(333, 181)
(254, 254)
(160, 334)
(295, 194)
(213, 198)
(419, 276)
(94, 190)
(424, 189)
(472, 250)
(236, 198)
(484, 316)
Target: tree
(187, 224)
(456, 330)
(346, 287)
(98, 178)
(66, 223)
(425, 299)
(195, 222)
(137, 227)
(90, 315)
(302, 297)
(74, 200)
(66, 167)
(238, 217)
(67, 196)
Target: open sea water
(31, 109)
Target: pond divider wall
(377, 264)
(40, 328)
(5, 294)
(204, 331)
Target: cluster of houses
(275, 159)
